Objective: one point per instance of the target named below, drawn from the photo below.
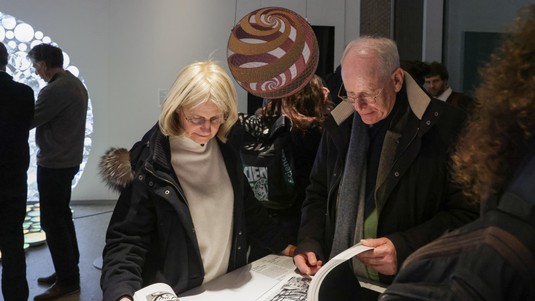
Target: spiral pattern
(272, 52)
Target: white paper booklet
(272, 277)
(317, 280)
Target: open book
(333, 281)
(270, 278)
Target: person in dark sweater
(59, 121)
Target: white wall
(129, 50)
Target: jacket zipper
(171, 183)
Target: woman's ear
(325, 93)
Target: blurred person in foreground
(492, 258)
(381, 175)
(17, 103)
(186, 213)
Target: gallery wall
(130, 51)
(473, 16)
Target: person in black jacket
(186, 213)
(492, 258)
(16, 114)
(306, 111)
(381, 175)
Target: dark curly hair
(495, 139)
(309, 106)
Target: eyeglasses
(198, 120)
(363, 99)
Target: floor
(91, 220)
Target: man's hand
(383, 258)
(307, 263)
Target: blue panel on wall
(478, 47)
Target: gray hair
(384, 49)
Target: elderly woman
(185, 214)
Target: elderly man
(381, 173)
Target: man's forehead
(433, 77)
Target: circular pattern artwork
(272, 52)
(19, 37)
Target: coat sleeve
(127, 242)
(451, 210)
(312, 231)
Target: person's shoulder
(451, 119)
(25, 88)
(447, 111)
(20, 88)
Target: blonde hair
(198, 83)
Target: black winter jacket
(151, 237)
(420, 204)
(492, 258)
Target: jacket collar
(418, 101)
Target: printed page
(156, 292)
(271, 278)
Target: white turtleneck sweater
(202, 174)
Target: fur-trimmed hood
(116, 168)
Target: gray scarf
(350, 204)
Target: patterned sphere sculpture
(272, 52)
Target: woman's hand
(289, 251)
(307, 263)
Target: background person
(492, 258)
(186, 213)
(381, 173)
(17, 102)
(59, 121)
(436, 79)
(307, 110)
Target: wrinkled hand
(383, 258)
(307, 263)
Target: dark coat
(16, 114)
(492, 258)
(419, 202)
(461, 101)
(151, 236)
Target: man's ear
(397, 78)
